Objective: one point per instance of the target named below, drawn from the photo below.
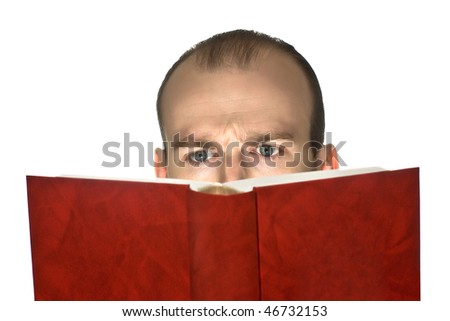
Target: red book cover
(350, 237)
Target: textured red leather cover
(108, 240)
(349, 238)
(352, 238)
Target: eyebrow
(187, 141)
(268, 136)
(192, 141)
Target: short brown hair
(239, 48)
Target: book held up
(325, 235)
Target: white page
(246, 185)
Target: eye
(268, 150)
(199, 156)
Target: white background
(77, 74)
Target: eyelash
(256, 150)
(198, 163)
(279, 150)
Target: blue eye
(268, 150)
(199, 156)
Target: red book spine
(223, 245)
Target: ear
(329, 157)
(160, 163)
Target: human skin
(255, 121)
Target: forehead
(272, 94)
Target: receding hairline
(199, 62)
(229, 61)
(241, 49)
(234, 50)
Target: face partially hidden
(231, 124)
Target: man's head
(239, 105)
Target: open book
(328, 235)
